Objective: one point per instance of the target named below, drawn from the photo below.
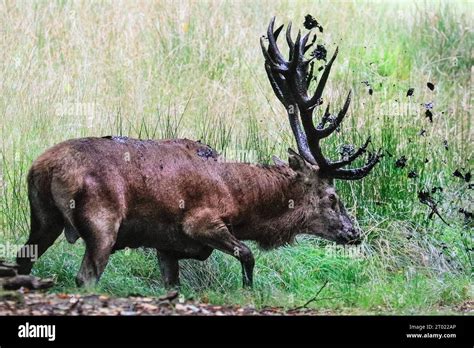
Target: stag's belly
(136, 233)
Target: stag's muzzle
(352, 237)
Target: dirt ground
(15, 303)
(38, 303)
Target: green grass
(158, 70)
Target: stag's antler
(290, 81)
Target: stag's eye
(333, 201)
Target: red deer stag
(178, 197)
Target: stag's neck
(271, 203)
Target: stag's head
(290, 80)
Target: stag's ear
(298, 163)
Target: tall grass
(194, 69)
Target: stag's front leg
(206, 227)
(169, 268)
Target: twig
(312, 299)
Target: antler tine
(311, 44)
(323, 133)
(290, 42)
(272, 46)
(297, 73)
(266, 55)
(316, 134)
(275, 50)
(361, 150)
(314, 101)
(326, 113)
(304, 41)
(275, 66)
(358, 173)
(278, 87)
(277, 32)
(296, 56)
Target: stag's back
(130, 173)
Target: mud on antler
(290, 81)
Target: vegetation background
(165, 69)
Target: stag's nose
(355, 236)
(352, 236)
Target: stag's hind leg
(100, 235)
(97, 219)
(206, 227)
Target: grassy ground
(194, 69)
